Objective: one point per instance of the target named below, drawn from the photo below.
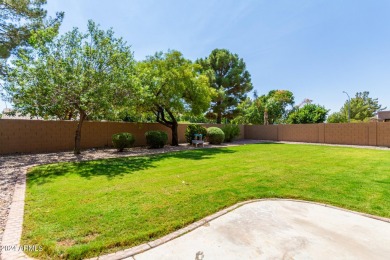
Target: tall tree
(362, 108)
(78, 75)
(172, 85)
(250, 112)
(231, 81)
(308, 114)
(275, 105)
(19, 20)
(266, 109)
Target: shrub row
(157, 139)
(154, 139)
(214, 135)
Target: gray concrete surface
(281, 230)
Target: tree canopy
(362, 108)
(78, 75)
(19, 20)
(275, 104)
(266, 109)
(308, 114)
(231, 81)
(171, 86)
(250, 112)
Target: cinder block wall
(372, 134)
(355, 134)
(35, 136)
(383, 134)
(299, 133)
(261, 132)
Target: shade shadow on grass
(117, 167)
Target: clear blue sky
(314, 48)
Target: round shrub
(215, 135)
(156, 139)
(122, 141)
(231, 132)
(193, 129)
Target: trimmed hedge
(215, 135)
(122, 141)
(156, 139)
(231, 132)
(193, 129)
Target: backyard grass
(77, 210)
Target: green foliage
(193, 129)
(266, 109)
(215, 135)
(78, 75)
(122, 141)
(172, 85)
(275, 105)
(156, 139)
(308, 114)
(230, 80)
(19, 21)
(250, 112)
(231, 132)
(337, 117)
(188, 118)
(362, 108)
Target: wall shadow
(115, 167)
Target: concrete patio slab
(278, 229)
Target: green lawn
(77, 210)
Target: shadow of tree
(115, 167)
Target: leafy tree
(188, 118)
(231, 81)
(19, 20)
(266, 109)
(337, 117)
(363, 108)
(250, 112)
(275, 105)
(78, 75)
(172, 85)
(308, 114)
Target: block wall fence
(367, 134)
(36, 136)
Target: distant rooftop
(6, 115)
(382, 116)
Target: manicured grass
(78, 210)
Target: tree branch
(160, 117)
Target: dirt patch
(66, 242)
(90, 237)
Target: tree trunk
(175, 136)
(265, 117)
(77, 138)
(219, 113)
(219, 118)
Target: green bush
(122, 141)
(156, 139)
(231, 132)
(215, 135)
(193, 129)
